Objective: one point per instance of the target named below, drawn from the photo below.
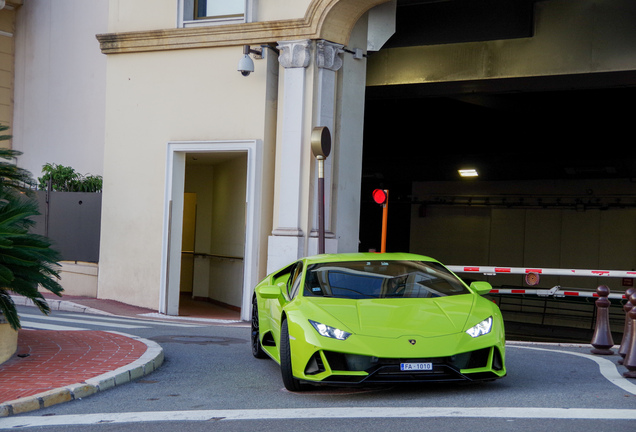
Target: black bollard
(627, 329)
(602, 340)
(630, 358)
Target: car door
(287, 280)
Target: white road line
(46, 326)
(79, 321)
(184, 318)
(321, 413)
(607, 367)
(132, 320)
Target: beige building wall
(171, 85)
(273, 10)
(132, 15)
(156, 98)
(60, 84)
(7, 62)
(140, 15)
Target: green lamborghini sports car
(368, 318)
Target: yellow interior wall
(187, 241)
(7, 27)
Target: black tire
(291, 383)
(257, 348)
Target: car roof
(367, 256)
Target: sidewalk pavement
(51, 367)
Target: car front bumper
(366, 359)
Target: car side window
(293, 284)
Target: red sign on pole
(379, 196)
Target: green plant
(27, 260)
(66, 179)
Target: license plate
(416, 366)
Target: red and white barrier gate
(532, 278)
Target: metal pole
(321, 147)
(385, 216)
(47, 205)
(321, 204)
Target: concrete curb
(59, 305)
(147, 363)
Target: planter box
(8, 341)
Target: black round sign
(321, 141)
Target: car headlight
(481, 329)
(330, 332)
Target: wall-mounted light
(469, 172)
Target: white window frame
(185, 14)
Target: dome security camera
(246, 65)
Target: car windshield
(381, 279)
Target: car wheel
(291, 383)
(257, 348)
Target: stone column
(328, 62)
(287, 241)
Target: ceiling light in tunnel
(470, 172)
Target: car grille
(388, 369)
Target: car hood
(392, 318)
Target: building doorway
(211, 234)
(213, 241)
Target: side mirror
(481, 287)
(270, 291)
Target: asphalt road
(210, 381)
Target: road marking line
(182, 318)
(321, 413)
(135, 320)
(78, 321)
(607, 367)
(46, 326)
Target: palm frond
(8, 310)
(27, 260)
